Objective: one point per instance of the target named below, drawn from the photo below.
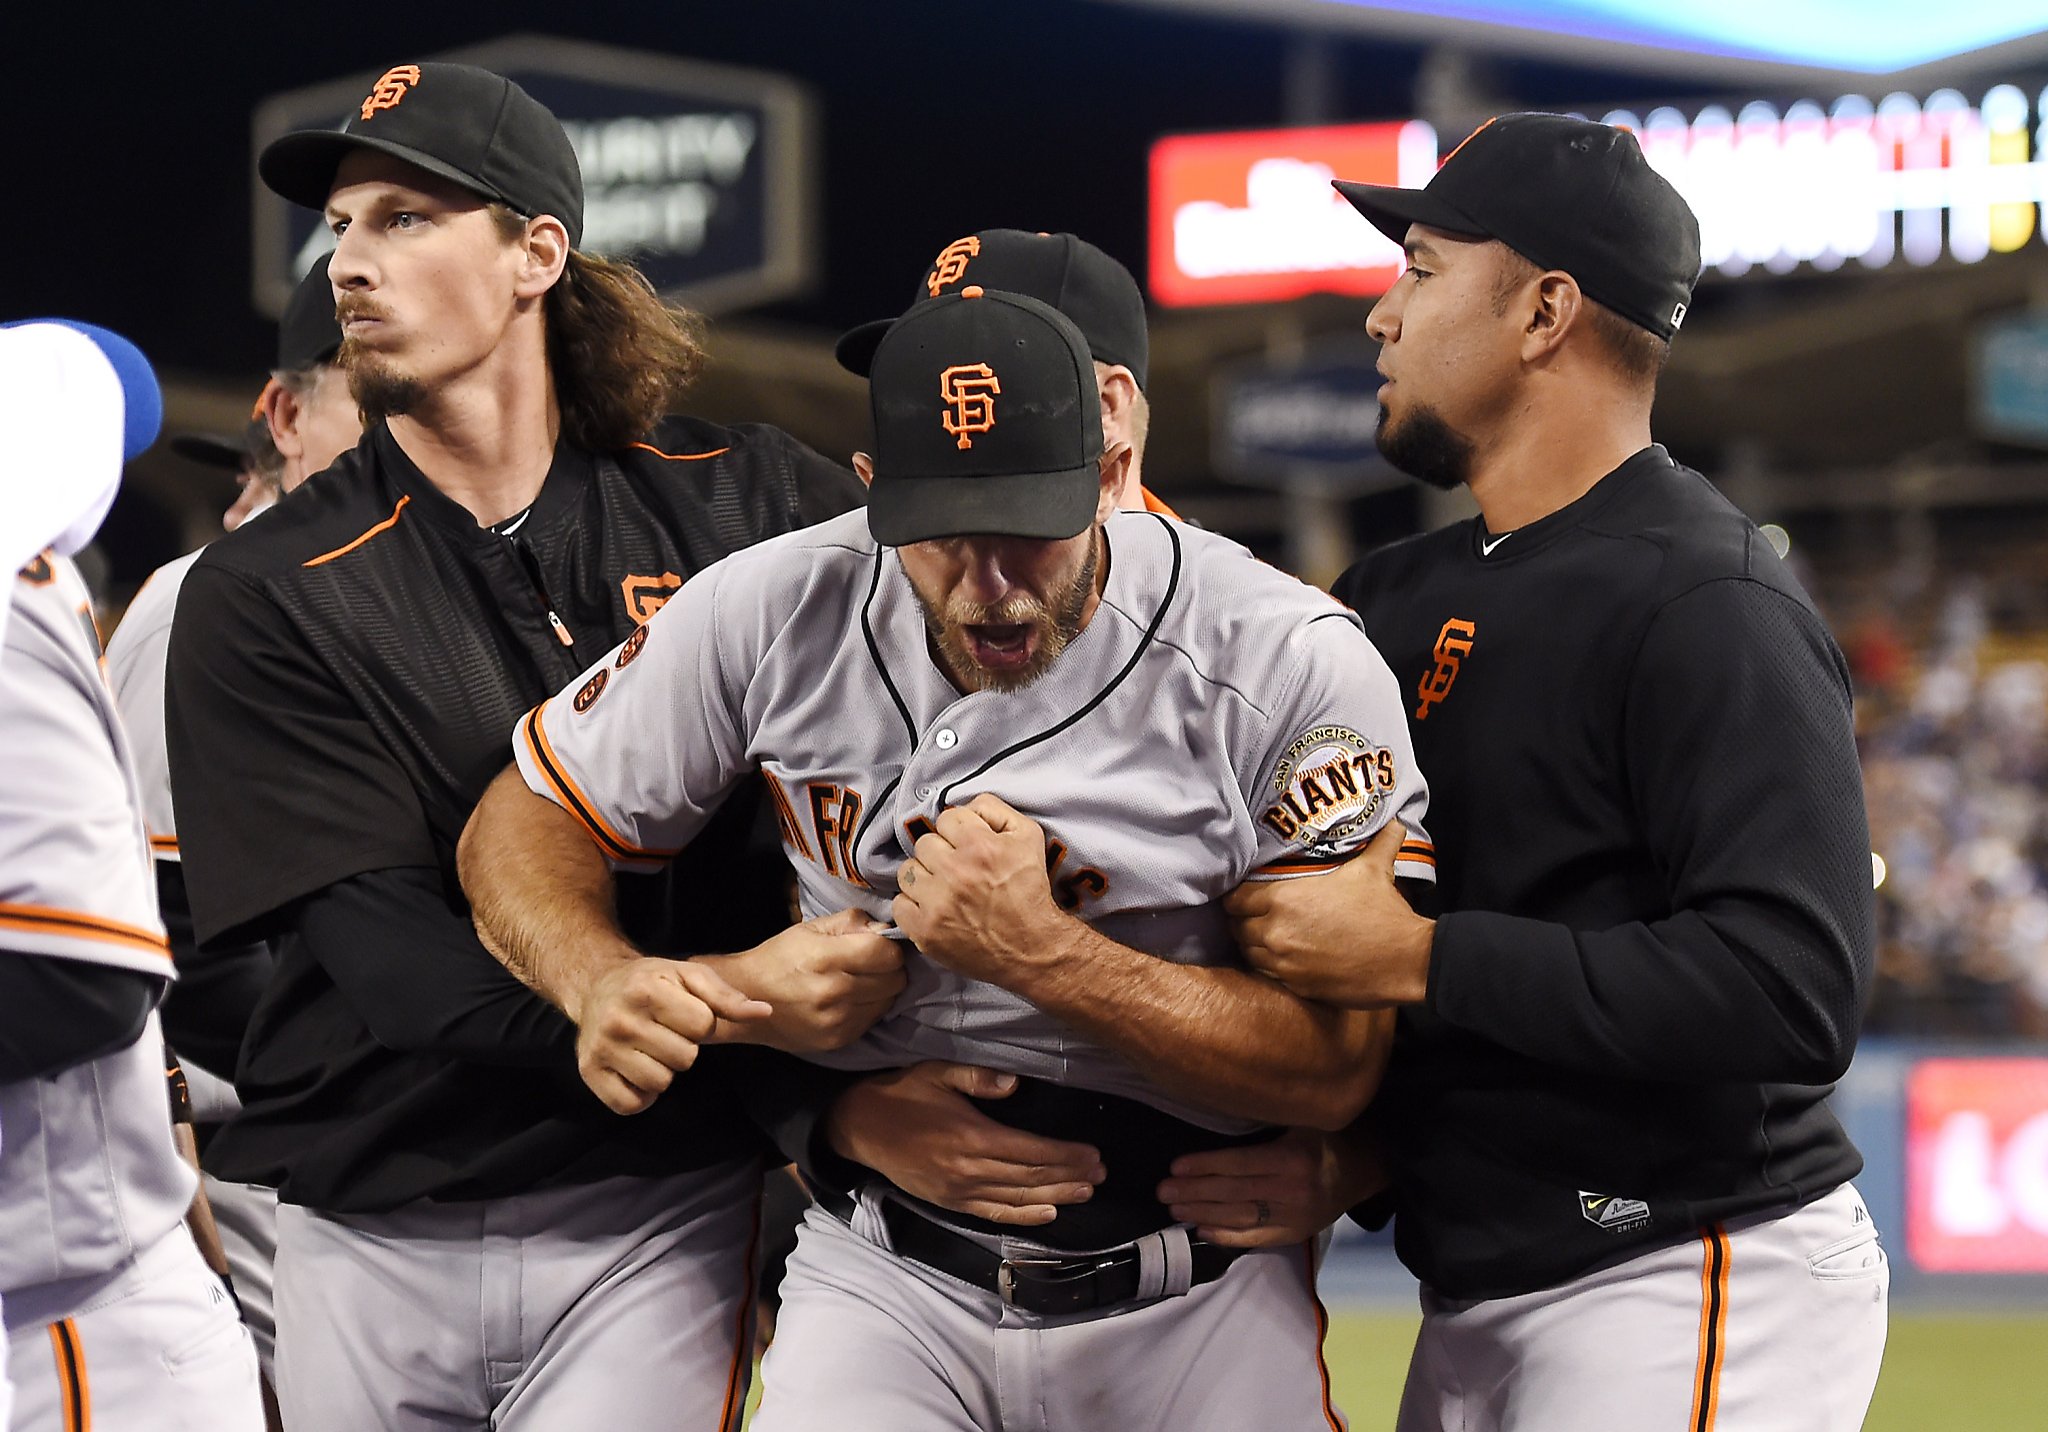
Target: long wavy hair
(621, 355)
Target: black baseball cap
(1565, 194)
(218, 451)
(1095, 292)
(308, 334)
(986, 422)
(469, 126)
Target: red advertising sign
(1977, 1165)
(1250, 217)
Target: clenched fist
(827, 979)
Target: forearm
(207, 1010)
(401, 931)
(1700, 997)
(541, 893)
(56, 1014)
(1226, 1039)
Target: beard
(380, 391)
(1426, 447)
(1055, 623)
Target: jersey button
(947, 738)
(925, 793)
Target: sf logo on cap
(969, 390)
(391, 87)
(950, 264)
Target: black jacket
(1654, 872)
(343, 680)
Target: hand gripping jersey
(91, 1177)
(1216, 721)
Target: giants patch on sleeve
(1328, 785)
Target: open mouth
(999, 645)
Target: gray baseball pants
(1772, 1323)
(623, 1304)
(868, 1341)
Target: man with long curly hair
(462, 1226)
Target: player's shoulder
(1686, 534)
(326, 512)
(149, 613)
(1402, 566)
(50, 611)
(786, 571)
(684, 446)
(772, 478)
(1240, 620)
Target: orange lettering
(951, 264)
(391, 87)
(969, 390)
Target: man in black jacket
(462, 1224)
(1612, 1164)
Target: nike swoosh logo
(1486, 548)
(1593, 1203)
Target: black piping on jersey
(597, 828)
(867, 630)
(1144, 645)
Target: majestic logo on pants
(969, 390)
(1616, 1215)
(391, 87)
(951, 264)
(1453, 645)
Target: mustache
(355, 305)
(1018, 609)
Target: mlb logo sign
(1977, 1165)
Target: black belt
(1068, 1284)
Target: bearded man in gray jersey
(1044, 738)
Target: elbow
(1815, 1045)
(468, 846)
(472, 847)
(1334, 1104)
(1829, 1052)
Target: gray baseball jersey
(91, 1177)
(135, 669)
(1216, 721)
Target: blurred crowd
(1952, 715)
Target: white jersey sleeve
(1337, 763)
(135, 669)
(91, 1176)
(75, 873)
(647, 743)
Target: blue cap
(142, 401)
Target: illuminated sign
(1251, 217)
(1856, 180)
(1977, 1165)
(696, 173)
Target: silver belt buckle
(1006, 1275)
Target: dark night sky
(131, 169)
